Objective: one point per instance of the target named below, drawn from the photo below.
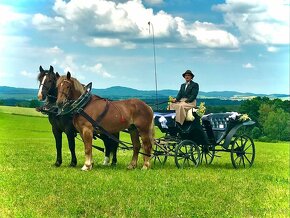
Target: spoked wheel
(187, 154)
(159, 155)
(207, 154)
(243, 152)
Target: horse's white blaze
(39, 95)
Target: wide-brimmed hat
(188, 72)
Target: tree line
(271, 117)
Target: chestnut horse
(131, 114)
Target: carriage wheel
(243, 152)
(207, 154)
(159, 155)
(187, 154)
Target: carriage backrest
(217, 125)
(218, 121)
(165, 120)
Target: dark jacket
(190, 93)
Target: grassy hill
(32, 187)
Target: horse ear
(57, 75)
(68, 75)
(40, 69)
(51, 69)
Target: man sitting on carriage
(186, 97)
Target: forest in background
(271, 115)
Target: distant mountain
(7, 92)
(119, 92)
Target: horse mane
(77, 85)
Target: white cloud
(207, 34)
(27, 74)
(68, 64)
(43, 22)
(109, 23)
(272, 49)
(9, 16)
(258, 21)
(248, 65)
(99, 70)
(81, 72)
(54, 50)
(109, 42)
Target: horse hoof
(113, 164)
(57, 164)
(131, 167)
(106, 161)
(86, 168)
(73, 164)
(144, 168)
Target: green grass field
(30, 186)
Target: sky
(231, 45)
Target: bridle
(46, 88)
(67, 95)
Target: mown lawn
(30, 186)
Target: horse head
(69, 89)
(47, 83)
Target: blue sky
(233, 45)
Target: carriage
(196, 141)
(199, 140)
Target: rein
(71, 106)
(69, 88)
(49, 107)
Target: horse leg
(147, 138)
(136, 148)
(147, 147)
(107, 149)
(87, 136)
(114, 148)
(71, 141)
(58, 144)
(110, 147)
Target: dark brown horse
(59, 124)
(132, 114)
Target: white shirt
(186, 85)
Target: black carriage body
(212, 129)
(196, 141)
